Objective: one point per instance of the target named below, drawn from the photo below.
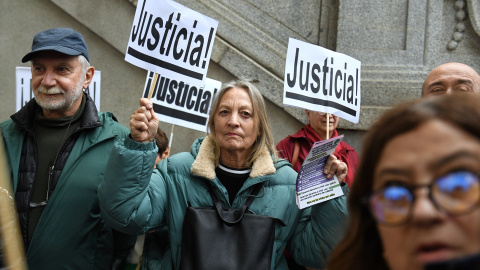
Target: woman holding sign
(234, 166)
(321, 126)
(295, 149)
(415, 201)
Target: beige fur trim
(204, 164)
(263, 165)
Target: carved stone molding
(473, 7)
(460, 16)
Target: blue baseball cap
(63, 40)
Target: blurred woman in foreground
(414, 202)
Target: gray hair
(85, 64)
(265, 139)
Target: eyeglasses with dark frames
(43, 203)
(455, 193)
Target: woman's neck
(233, 159)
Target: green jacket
(71, 233)
(135, 200)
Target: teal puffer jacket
(71, 233)
(135, 200)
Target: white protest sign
(321, 80)
(23, 83)
(313, 186)
(181, 103)
(171, 40)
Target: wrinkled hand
(337, 167)
(144, 122)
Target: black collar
(25, 118)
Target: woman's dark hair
(361, 247)
(161, 140)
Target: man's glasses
(43, 203)
(455, 193)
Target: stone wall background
(397, 41)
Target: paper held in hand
(313, 186)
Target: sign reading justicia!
(172, 40)
(180, 103)
(321, 80)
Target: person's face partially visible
(450, 78)
(431, 151)
(318, 121)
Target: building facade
(398, 43)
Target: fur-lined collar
(204, 164)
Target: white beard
(64, 103)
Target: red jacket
(344, 152)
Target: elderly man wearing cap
(58, 146)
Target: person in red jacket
(314, 131)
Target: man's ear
(88, 77)
(307, 112)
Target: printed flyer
(313, 186)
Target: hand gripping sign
(321, 80)
(174, 43)
(312, 184)
(181, 103)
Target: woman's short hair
(361, 246)
(161, 140)
(264, 139)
